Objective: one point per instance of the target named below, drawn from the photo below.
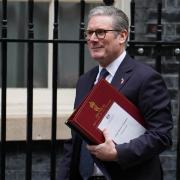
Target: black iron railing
(3, 92)
(155, 49)
(54, 93)
(30, 60)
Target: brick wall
(146, 19)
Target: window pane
(17, 52)
(68, 58)
(69, 27)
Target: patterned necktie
(103, 74)
(86, 165)
(86, 162)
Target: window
(69, 24)
(43, 25)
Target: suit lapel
(120, 78)
(91, 79)
(123, 73)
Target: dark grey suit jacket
(138, 159)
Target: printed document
(121, 126)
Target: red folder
(86, 118)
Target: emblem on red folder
(94, 106)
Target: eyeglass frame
(105, 31)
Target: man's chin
(97, 56)
(98, 59)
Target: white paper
(121, 126)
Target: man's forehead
(100, 21)
(100, 17)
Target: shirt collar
(112, 68)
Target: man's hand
(105, 151)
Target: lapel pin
(122, 81)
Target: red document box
(105, 107)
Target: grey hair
(120, 19)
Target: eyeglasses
(100, 33)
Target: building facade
(68, 73)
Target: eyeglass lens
(100, 34)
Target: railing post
(108, 2)
(81, 37)
(130, 45)
(3, 92)
(54, 92)
(132, 26)
(178, 133)
(30, 59)
(159, 36)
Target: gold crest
(98, 110)
(95, 107)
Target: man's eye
(90, 32)
(100, 31)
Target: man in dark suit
(106, 35)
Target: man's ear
(123, 35)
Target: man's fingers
(106, 135)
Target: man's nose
(93, 36)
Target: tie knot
(103, 74)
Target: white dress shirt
(111, 68)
